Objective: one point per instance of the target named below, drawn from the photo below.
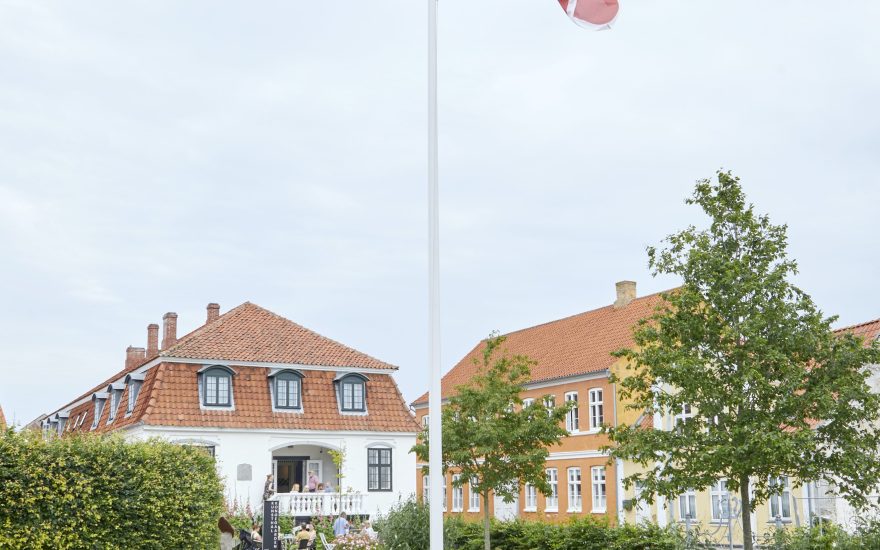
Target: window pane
(223, 390)
(293, 396)
(358, 401)
(211, 390)
(347, 391)
(282, 392)
(373, 456)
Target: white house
(263, 395)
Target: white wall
(256, 447)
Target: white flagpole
(437, 480)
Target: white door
(314, 466)
(506, 511)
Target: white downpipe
(437, 480)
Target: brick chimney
(213, 312)
(169, 333)
(152, 339)
(133, 356)
(626, 293)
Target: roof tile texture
(248, 333)
(251, 333)
(176, 403)
(580, 344)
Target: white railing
(321, 504)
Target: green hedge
(405, 527)
(100, 492)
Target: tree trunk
(746, 513)
(486, 523)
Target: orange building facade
(573, 363)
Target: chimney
(133, 356)
(213, 312)
(169, 334)
(626, 293)
(152, 339)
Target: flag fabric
(591, 14)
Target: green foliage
(488, 437)
(104, 493)
(755, 359)
(825, 537)
(406, 528)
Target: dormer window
(134, 383)
(352, 392)
(99, 399)
(216, 386)
(62, 421)
(115, 392)
(287, 389)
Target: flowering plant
(356, 541)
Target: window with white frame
(600, 500)
(378, 469)
(288, 390)
(720, 500)
(134, 383)
(572, 423)
(99, 409)
(552, 504)
(426, 420)
(353, 393)
(217, 387)
(444, 494)
(426, 489)
(682, 415)
(115, 397)
(550, 404)
(474, 502)
(780, 498)
(457, 494)
(687, 505)
(528, 402)
(575, 503)
(597, 409)
(531, 504)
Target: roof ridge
(857, 325)
(566, 318)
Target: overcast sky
(157, 156)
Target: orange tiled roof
(251, 333)
(580, 344)
(870, 330)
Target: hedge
(101, 492)
(405, 527)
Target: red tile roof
(580, 344)
(251, 333)
(870, 330)
(175, 402)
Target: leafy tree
(774, 391)
(488, 437)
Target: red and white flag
(591, 14)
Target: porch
(322, 504)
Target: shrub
(100, 492)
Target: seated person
(367, 529)
(320, 487)
(255, 533)
(303, 534)
(295, 488)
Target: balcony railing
(321, 504)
